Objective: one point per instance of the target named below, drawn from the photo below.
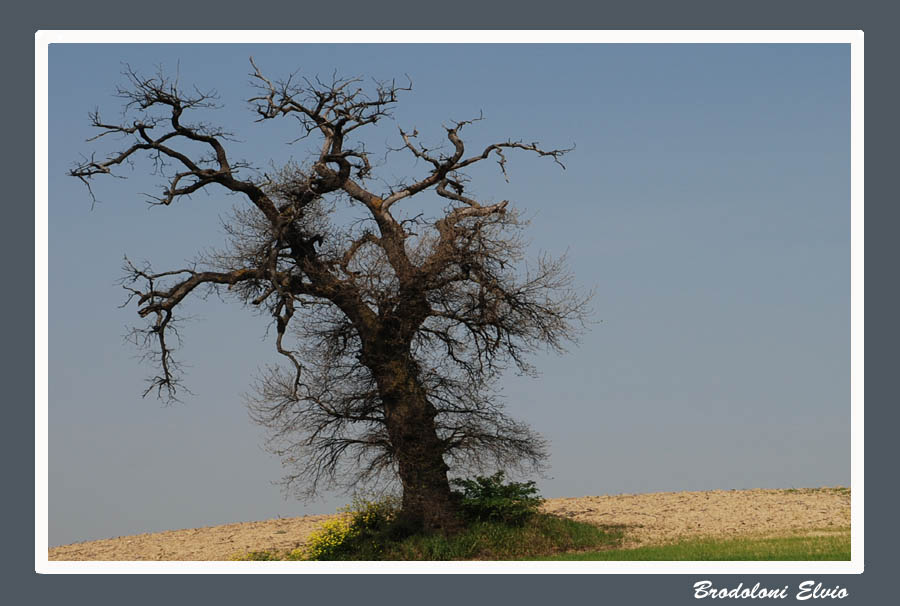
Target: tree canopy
(394, 327)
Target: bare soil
(649, 519)
(666, 517)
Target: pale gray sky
(707, 202)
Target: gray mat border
(877, 19)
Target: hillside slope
(649, 519)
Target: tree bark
(410, 421)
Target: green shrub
(373, 515)
(330, 539)
(489, 499)
(357, 534)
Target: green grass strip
(830, 546)
(543, 534)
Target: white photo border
(854, 38)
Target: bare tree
(394, 327)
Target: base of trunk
(419, 452)
(430, 513)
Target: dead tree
(394, 327)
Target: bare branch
(393, 331)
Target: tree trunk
(410, 420)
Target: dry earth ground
(650, 519)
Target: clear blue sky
(707, 202)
